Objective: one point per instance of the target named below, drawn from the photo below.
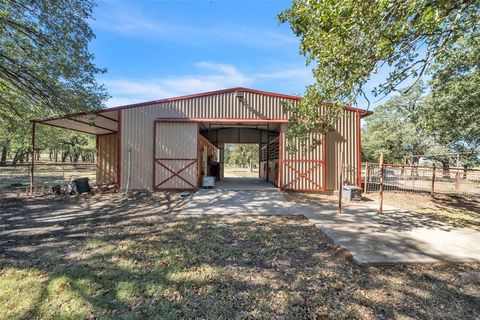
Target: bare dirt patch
(108, 257)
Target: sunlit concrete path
(395, 236)
(245, 202)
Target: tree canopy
(243, 155)
(348, 41)
(45, 69)
(44, 57)
(405, 129)
(396, 128)
(454, 103)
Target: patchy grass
(240, 172)
(129, 259)
(453, 215)
(48, 175)
(459, 210)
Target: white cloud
(119, 17)
(128, 20)
(211, 76)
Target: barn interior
(215, 135)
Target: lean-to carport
(103, 124)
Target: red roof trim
(203, 94)
(196, 95)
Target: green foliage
(311, 115)
(395, 128)
(44, 58)
(45, 69)
(407, 125)
(242, 155)
(453, 106)
(348, 41)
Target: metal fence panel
(422, 179)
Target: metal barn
(167, 144)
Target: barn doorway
(241, 160)
(243, 152)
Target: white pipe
(129, 170)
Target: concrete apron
(240, 202)
(394, 237)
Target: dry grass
(458, 210)
(107, 257)
(240, 172)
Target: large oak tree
(44, 57)
(348, 41)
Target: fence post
(382, 174)
(365, 184)
(457, 181)
(433, 180)
(340, 167)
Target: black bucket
(82, 185)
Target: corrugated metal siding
(137, 125)
(304, 160)
(106, 158)
(344, 138)
(137, 132)
(176, 141)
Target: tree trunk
(64, 156)
(16, 157)
(3, 158)
(446, 168)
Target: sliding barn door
(175, 156)
(304, 169)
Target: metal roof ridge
(190, 96)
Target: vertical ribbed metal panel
(177, 142)
(137, 125)
(344, 138)
(303, 168)
(106, 158)
(137, 132)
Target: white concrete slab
(243, 184)
(396, 236)
(225, 202)
(393, 237)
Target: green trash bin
(82, 185)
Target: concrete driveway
(244, 202)
(396, 236)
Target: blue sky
(160, 49)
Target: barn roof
(105, 121)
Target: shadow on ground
(111, 257)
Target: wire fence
(15, 179)
(421, 179)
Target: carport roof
(106, 120)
